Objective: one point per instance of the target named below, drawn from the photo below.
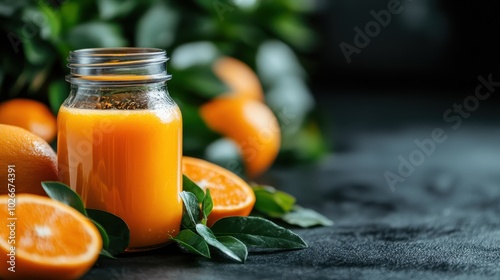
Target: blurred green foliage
(267, 35)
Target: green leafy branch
(230, 236)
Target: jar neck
(99, 89)
(125, 97)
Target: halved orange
(231, 195)
(50, 239)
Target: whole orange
(241, 79)
(31, 115)
(31, 159)
(251, 124)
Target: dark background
(427, 59)
(440, 45)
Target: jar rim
(123, 65)
(118, 50)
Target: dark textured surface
(443, 222)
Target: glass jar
(120, 140)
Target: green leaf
(301, 6)
(8, 8)
(51, 29)
(189, 186)
(109, 9)
(196, 134)
(305, 218)
(258, 232)
(157, 26)
(276, 60)
(58, 91)
(104, 234)
(210, 238)
(200, 80)
(71, 13)
(272, 202)
(95, 35)
(64, 194)
(23, 78)
(192, 242)
(208, 5)
(106, 254)
(39, 79)
(191, 214)
(207, 206)
(293, 31)
(305, 145)
(233, 244)
(116, 228)
(37, 52)
(194, 53)
(292, 108)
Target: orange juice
(126, 162)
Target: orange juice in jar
(120, 140)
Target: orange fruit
(31, 115)
(230, 194)
(240, 78)
(33, 160)
(251, 124)
(52, 240)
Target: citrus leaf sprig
(114, 231)
(272, 203)
(230, 236)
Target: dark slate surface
(443, 222)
